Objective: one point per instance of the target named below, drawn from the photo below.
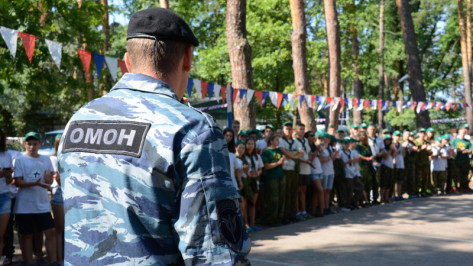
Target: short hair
(300, 125)
(168, 54)
(270, 138)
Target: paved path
(426, 231)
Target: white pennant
(198, 88)
(337, 102)
(249, 96)
(350, 104)
(398, 106)
(55, 49)
(11, 39)
(217, 89)
(322, 103)
(361, 103)
(308, 100)
(290, 99)
(274, 98)
(112, 66)
(418, 107)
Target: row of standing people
(301, 173)
(26, 179)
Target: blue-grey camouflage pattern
(156, 209)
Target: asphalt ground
(425, 231)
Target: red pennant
(439, 104)
(342, 104)
(413, 106)
(367, 105)
(85, 57)
(355, 102)
(235, 93)
(380, 104)
(29, 43)
(259, 96)
(223, 91)
(280, 97)
(329, 100)
(122, 66)
(455, 106)
(422, 106)
(204, 85)
(312, 97)
(448, 106)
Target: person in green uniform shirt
(462, 160)
(422, 164)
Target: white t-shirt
(317, 169)
(349, 168)
(258, 162)
(32, 199)
(6, 161)
(388, 161)
(399, 158)
(438, 164)
(327, 167)
(376, 145)
(261, 145)
(304, 168)
(291, 145)
(239, 166)
(232, 158)
(356, 154)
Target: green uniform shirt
(364, 151)
(422, 156)
(272, 156)
(461, 144)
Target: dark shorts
(399, 175)
(304, 180)
(386, 178)
(27, 222)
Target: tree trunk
(381, 63)
(299, 57)
(239, 51)
(164, 3)
(355, 50)
(416, 84)
(466, 63)
(333, 40)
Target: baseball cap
(363, 125)
(160, 24)
(387, 136)
(421, 129)
(464, 126)
(397, 133)
(32, 134)
(354, 126)
(430, 129)
(287, 124)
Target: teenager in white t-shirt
(33, 176)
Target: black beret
(162, 24)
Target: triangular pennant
(308, 101)
(312, 97)
(122, 66)
(99, 61)
(418, 107)
(190, 84)
(29, 42)
(198, 88)
(320, 101)
(224, 93)
(85, 58)
(367, 104)
(413, 105)
(259, 97)
(342, 104)
(448, 106)
(265, 95)
(10, 37)
(216, 89)
(242, 94)
(290, 99)
(210, 89)
(55, 49)
(336, 102)
(203, 88)
(385, 105)
(328, 100)
(249, 96)
(374, 104)
(301, 100)
(455, 106)
(273, 96)
(284, 97)
(461, 106)
(437, 106)
(112, 64)
(280, 97)
(234, 94)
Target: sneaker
(343, 209)
(7, 261)
(412, 197)
(249, 229)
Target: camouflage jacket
(146, 182)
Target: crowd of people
(30, 195)
(294, 174)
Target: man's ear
(187, 59)
(127, 61)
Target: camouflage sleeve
(210, 225)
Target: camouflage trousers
(423, 178)
(275, 195)
(292, 187)
(411, 179)
(440, 179)
(367, 177)
(462, 173)
(451, 180)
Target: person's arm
(19, 182)
(269, 166)
(209, 222)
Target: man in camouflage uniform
(146, 178)
(462, 158)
